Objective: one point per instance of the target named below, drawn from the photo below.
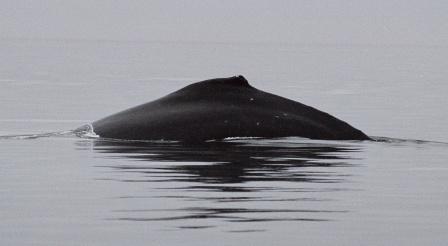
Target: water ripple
(244, 180)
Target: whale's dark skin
(221, 108)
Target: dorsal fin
(219, 84)
(239, 81)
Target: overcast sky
(304, 21)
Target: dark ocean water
(62, 189)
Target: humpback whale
(220, 108)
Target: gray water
(62, 189)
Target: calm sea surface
(67, 190)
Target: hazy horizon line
(223, 42)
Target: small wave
(37, 135)
(86, 131)
(42, 121)
(239, 138)
(404, 141)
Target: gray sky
(304, 21)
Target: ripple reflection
(217, 183)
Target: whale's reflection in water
(215, 183)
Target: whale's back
(220, 108)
